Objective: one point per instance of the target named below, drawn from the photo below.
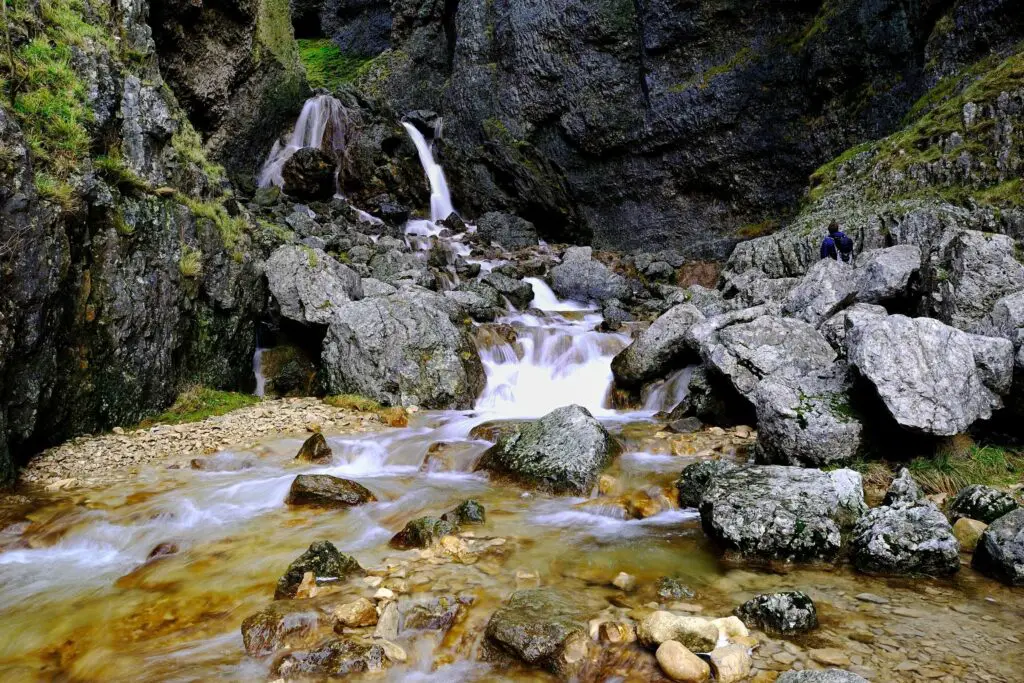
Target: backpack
(845, 247)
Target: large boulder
(310, 174)
(982, 503)
(332, 659)
(1000, 553)
(309, 285)
(748, 351)
(402, 349)
(908, 538)
(785, 613)
(511, 232)
(1006, 320)
(806, 421)
(519, 293)
(398, 267)
(325, 562)
(828, 286)
(695, 479)
(325, 491)
(834, 329)
(580, 277)
(658, 350)
(926, 372)
(543, 627)
(980, 269)
(774, 512)
(562, 452)
(888, 274)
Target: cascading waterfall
(440, 198)
(323, 123)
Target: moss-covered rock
(325, 562)
(422, 533)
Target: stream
(81, 602)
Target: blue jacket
(829, 247)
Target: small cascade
(257, 371)
(440, 198)
(668, 393)
(323, 123)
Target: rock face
(309, 285)
(659, 349)
(910, 538)
(543, 627)
(781, 513)
(1000, 553)
(982, 503)
(324, 561)
(511, 232)
(982, 268)
(309, 174)
(582, 278)
(826, 288)
(325, 491)
(401, 350)
(562, 452)
(784, 613)
(925, 372)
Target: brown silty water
(82, 602)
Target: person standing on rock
(837, 245)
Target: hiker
(837, 245)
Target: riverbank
(99, 460)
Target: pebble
(829, 656)
(625, 582)
(384, 594)
(871, 597)
(680, 664)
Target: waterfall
(323, 123)
(440, 199)
(257, 370)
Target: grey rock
(828, 287)
(562, 452)
(887, 274)
(774, 512)
(670, 589)
(924, 371)
(826, 676)
(834, 329)
(1006, 320)
(309, 174)
(373, 287)
(147, 124)
(981, 269)
(325, 491)
(326, 563)
(309, 285)
(422, 533)
(397, 267)
(439, 614)
(582, 278)
(912, 538)
(509, 231)
(402, 349)
(519, 293)
(784, 613)
(334, 658)
(543, 627)
(660, 270)
(478, 308)
(659, 349)
(903, 489)
(1000, 552)
(805, 421)
(995, 361)
(695, 479)
(283, 624)
(982, 503)
(686, 425)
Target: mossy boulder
(422, 533)
(326, 563)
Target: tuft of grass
(57, 190)
(198, 403)
(393, 417)
(231, 228)
(189, 145)
(326, 65)
(113, 168)
(951, 470)
(191, 262)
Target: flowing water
(82, 601)
(323, 123)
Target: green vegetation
(326, 65)
(198, 403)
(275, 34)
(951, 470)
(703, 79)
(189, 146)
(57, 190)
(191, 262)
(231, 228)
(113, 168)
(394, 417)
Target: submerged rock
(658, 350)
(543, 627)
(696, 633)
(562, 452)
(327, 564)
(336, 658)
(292, 624)
(908, 538)
(731, 664)
(1000, 553)
(323, 490)
(982, 503)
(439, 614)
(315, 450)
(898, 355)
(671, 589)
(309, 285)
(785, 613)
(422, 533)
(781, 513)
(402, 349)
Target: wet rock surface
(905, 538)
(309, 174)
(325, 491)
(324, 561)
(1000, 552)
(783, 613)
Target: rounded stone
(680, 664)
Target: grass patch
(191, 262)
(326, 65)
(198, 403)
(231, 228)
(393, 417)
(57, 190)
(112, 167)
(951, 470)
(189, 145)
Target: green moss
(753, 230)
(312, 258)
(198, 403)
(231, 228)
(191, 262)
(275, 34)
(326, 65)
(817, 26)
(189, 145)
